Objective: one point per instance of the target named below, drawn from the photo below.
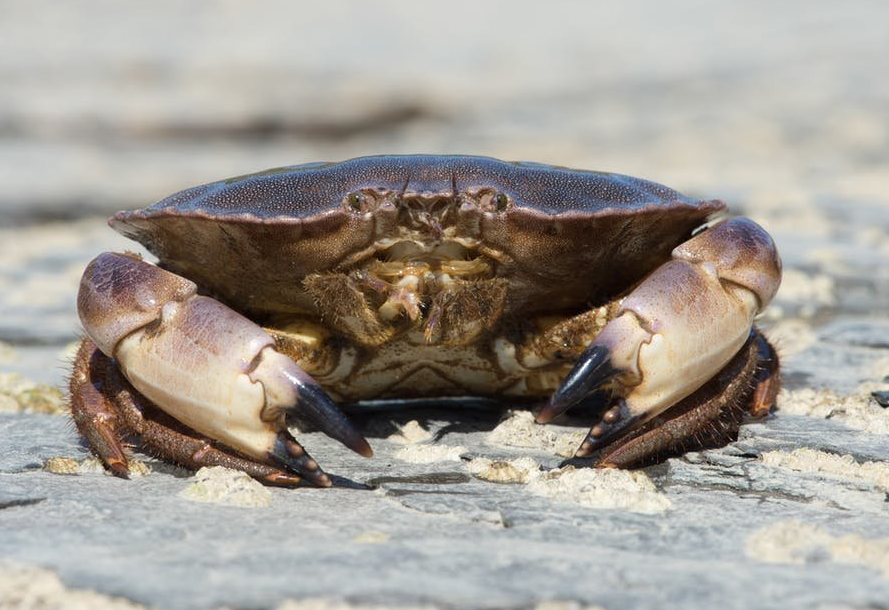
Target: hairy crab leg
(204, 364)
(676, 330)
(768, 379)
(94, 415)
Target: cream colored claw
(677, 328)
(204, 364)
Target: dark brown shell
(571, 237)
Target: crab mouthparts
(412, 274)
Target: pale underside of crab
(401, 278)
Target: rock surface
(778, 109)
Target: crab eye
(355, 201)
(500, 201)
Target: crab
(412, 279)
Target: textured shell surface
(567, 238)
(302, 191)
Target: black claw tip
(576, 462)
(318, 408)
(592, 369)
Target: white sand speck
(428, 454)
(226, 486)
(601, 488)
(858, 411)
(518, 429)
(520, 470)
(411, 432)
(796, 542)
(819, 462)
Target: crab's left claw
(675, 331)
(206, 365)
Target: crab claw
(591, 371)
(204, 364)
(292, 389)
(675, 330)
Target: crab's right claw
(204, 364)
(675, 330)
(591, 371)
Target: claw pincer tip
(592, 369)
(615, 422)
(318, 408)
(291, 455)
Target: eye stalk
(493, 201)
(355, 202)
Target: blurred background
(106, 105)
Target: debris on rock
(520, 470)
(91, 465)
(518, 429)
(595, 487)
(221, 485)
(70, 465)
(796, 542)
(20, 395)
(411, 432)
(812, 461)
(137, 468)
(630, 490)
(856, 411)
(371, 537)
(39, 589)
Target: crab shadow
(440, 418)
(458, 415)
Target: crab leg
(94, 414)
(204, 364)
(676, 330)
